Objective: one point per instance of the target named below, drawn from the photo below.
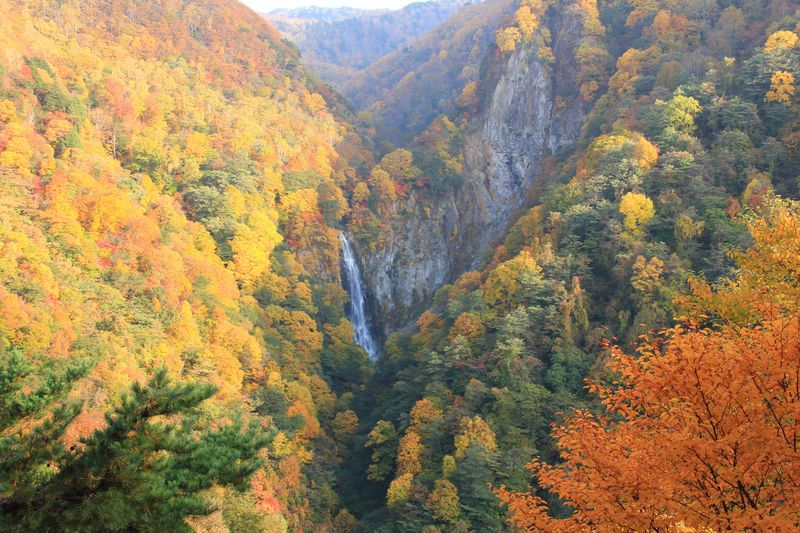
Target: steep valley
(338, 43)
(513, 265)
(441, 235)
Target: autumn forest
(465, 266)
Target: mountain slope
(171, 187)
(475, 168)
(681, 122)
(407, 89)
(338, 42)
(174, 350)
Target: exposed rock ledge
(504, 151)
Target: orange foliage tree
(701, 426)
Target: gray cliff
(505, 147)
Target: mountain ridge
(338, 42)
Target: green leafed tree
(144, 471)
(383, 441)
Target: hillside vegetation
(175, 353)
(170, 191)
(692, 129)
(339, 42)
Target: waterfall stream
(355, 288)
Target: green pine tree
(144, 471)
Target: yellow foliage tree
(17, 155)
(8, 110)
(345, 425)
(252, 246)
(686, 228)
(315, 102)
(382, 189)
(645, 152)
(474, 430)
(185, 330)
(646, 277)
(399, 490)
(444, 501)
(469, 95)
(781, 40)
(197, 145)
(400, 165)
(638, 210)
(526, 20)
(423, 413)
(448, 465)
(408, 454)
(782, 88)
(507, 39)
(360, 193)
(505, 280)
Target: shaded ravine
(357, 308)
(435, 238)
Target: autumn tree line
(625, 360)
(174, 351)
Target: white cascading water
(358, 313)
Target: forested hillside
(170, 192)
(575, 224)
(339, 42)
(403, 91)
(691, 123)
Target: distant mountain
(337, 42)
(318, 14)
(407, 89)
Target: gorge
(498, 266)
(530, 111)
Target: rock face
(504, 150)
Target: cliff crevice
(522, 123)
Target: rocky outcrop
(434, 241)
(402, 276)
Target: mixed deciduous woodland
(578, 232)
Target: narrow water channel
(355, 288)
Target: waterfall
(355, 287)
